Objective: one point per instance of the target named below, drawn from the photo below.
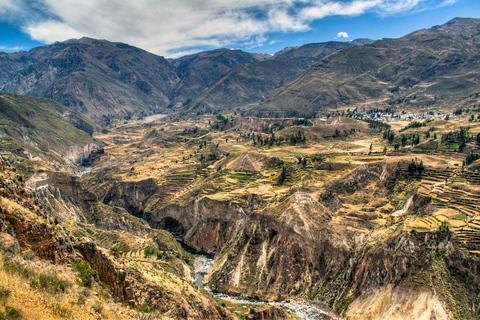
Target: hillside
(431, 67)
(105, 80)
(199, 71)
(45, 128)
(249, 83)
(95, 77)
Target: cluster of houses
(397, 116)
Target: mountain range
(104, 80)
(429, 67)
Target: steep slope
(32, 226)
(201, 70)
(249, 83)
(44, 128)
(432, 66)
(96, 77)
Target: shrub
(49, 282)
(445, 227)
(61, 311)
(86, 273)
(150, 251)
(4, 295)
(11, 314)
(12, 267)
(98, 307)
(472, 157)
(282, 177)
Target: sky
(173, 28)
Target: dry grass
(74, 303)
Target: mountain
(436, 66)
(45, 128)
(249, 83)
(95, 77)
(105, 80)
(199, 71)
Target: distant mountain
(249, 83)
(102, 79)
(199, 71)
(437, 66)
(95, 77)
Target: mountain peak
(463, 27)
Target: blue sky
(174, 28)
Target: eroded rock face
(82, 154)
(196, 212)
(131, 195)
(68, 186)
(267, 260)
(64, 192)
(33, 234)
(402, 302)
(114, 279)
(30, 223)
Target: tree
(283, 175)
(472, 157)
(445, 227)
(415, 167)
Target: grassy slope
(37, 124)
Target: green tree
(283, 176)
(85, 272)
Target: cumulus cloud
(342, 34)
(174, 27)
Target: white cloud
(173, 27)
(51, 31)
(10, 49)
(342, 34)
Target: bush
(15, 268)
(150, 251)
(49, 282)
(86, 273)
(61, 311)
(10, 314)
(472, 157)
(4, 295)
(98, 307)
(445, 227)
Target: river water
(304, 309)
(85, 171)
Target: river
(304, 309)
(85, 171)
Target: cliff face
(131, 195)
(301, 248)
(29, 222)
